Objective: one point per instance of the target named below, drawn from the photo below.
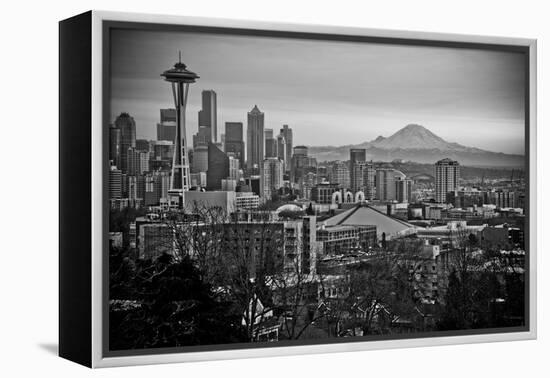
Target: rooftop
(364, 215)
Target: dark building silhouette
(254, 183)
(356, 155)
(114, 146)
(143, 145)
(127, 126)
(202, 137)
(234, 142)
(255, 138)
(270, 144)
(167, 115)
(218, 167)
(286, 132)
(208, 115)
(166, 129)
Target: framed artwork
(233, 189)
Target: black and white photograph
(279, 190)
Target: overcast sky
(329, 93)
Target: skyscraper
(272, 177)
(200, 159)
(286, 132)
(166, 129)
(218, 167)
(234, 168)
(255, 139)
(364, 177)
(202, 137)
(114, 146)
(127, 126)
(270, 144)
(339, 174)
(208, 115)
(234, 142)
(447, 173)
(355, 155)
(385, 184)
(167, 115)
(115, 183)
(281, 151)
(403, 190)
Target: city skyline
(441, 88)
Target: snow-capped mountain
(417, 143)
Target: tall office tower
(385, 184)
(287, 133)
(114, 146)
(179, 78)
(339, 174)
(208, 115)
(218, 167)
(202, 137)
(115, 183)
(355, 155)
(255, 184)
(143, 145)
(447, 173)
(234, 168)
(234, 142)
(132, 161)
(272, 177)
(156, 187)
(270, 144)
(200, 159)
(369, 180)
(255, 139)
(152, 197)
(298, 163)
(364, 177)
(166, 129)
(167, 115)
(281, 151)
(144, 158)
(127, 126)
(403, 190)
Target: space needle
(180, 78)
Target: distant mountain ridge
(417, 143)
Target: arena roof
(363, 215)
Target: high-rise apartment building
(385, 184)
(272, 177)
(447, 174)
(115, 183)
(234, 168)
(364, 178)
(403, 190)
(255, 139)
(339, 174)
